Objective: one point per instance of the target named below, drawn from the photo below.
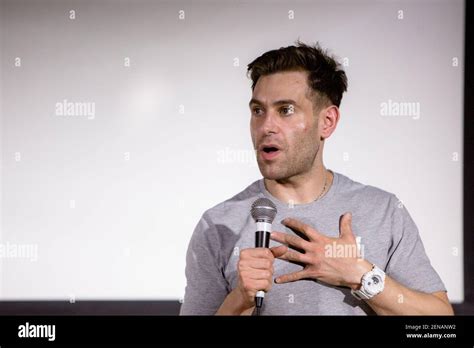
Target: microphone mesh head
(263, 209)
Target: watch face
(375, 280)
(373, 284)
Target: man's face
(282, 114)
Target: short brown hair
(325, 74)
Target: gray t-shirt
(388, 238)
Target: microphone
(263, 211)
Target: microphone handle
(262, 240)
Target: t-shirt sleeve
(408, 263)
(206, 286)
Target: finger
(279, 250)
(257, 263)
(289, 239)
(307, 230)
(291, 277)
(345, 226)
(264, 253)
(295, 256)
(257, 274)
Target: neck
(302, 188)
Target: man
(343, 248)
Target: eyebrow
(276, 103)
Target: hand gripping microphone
(263, 211)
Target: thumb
(279, 250)
(345, 225)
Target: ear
(328, 119)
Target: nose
(270, 123)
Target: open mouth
(270, 152)
(270, 149)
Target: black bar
(468, 162)
(209, 329)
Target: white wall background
(110, 200)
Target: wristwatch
(372, 283)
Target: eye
(256, 111)
(288, 110)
